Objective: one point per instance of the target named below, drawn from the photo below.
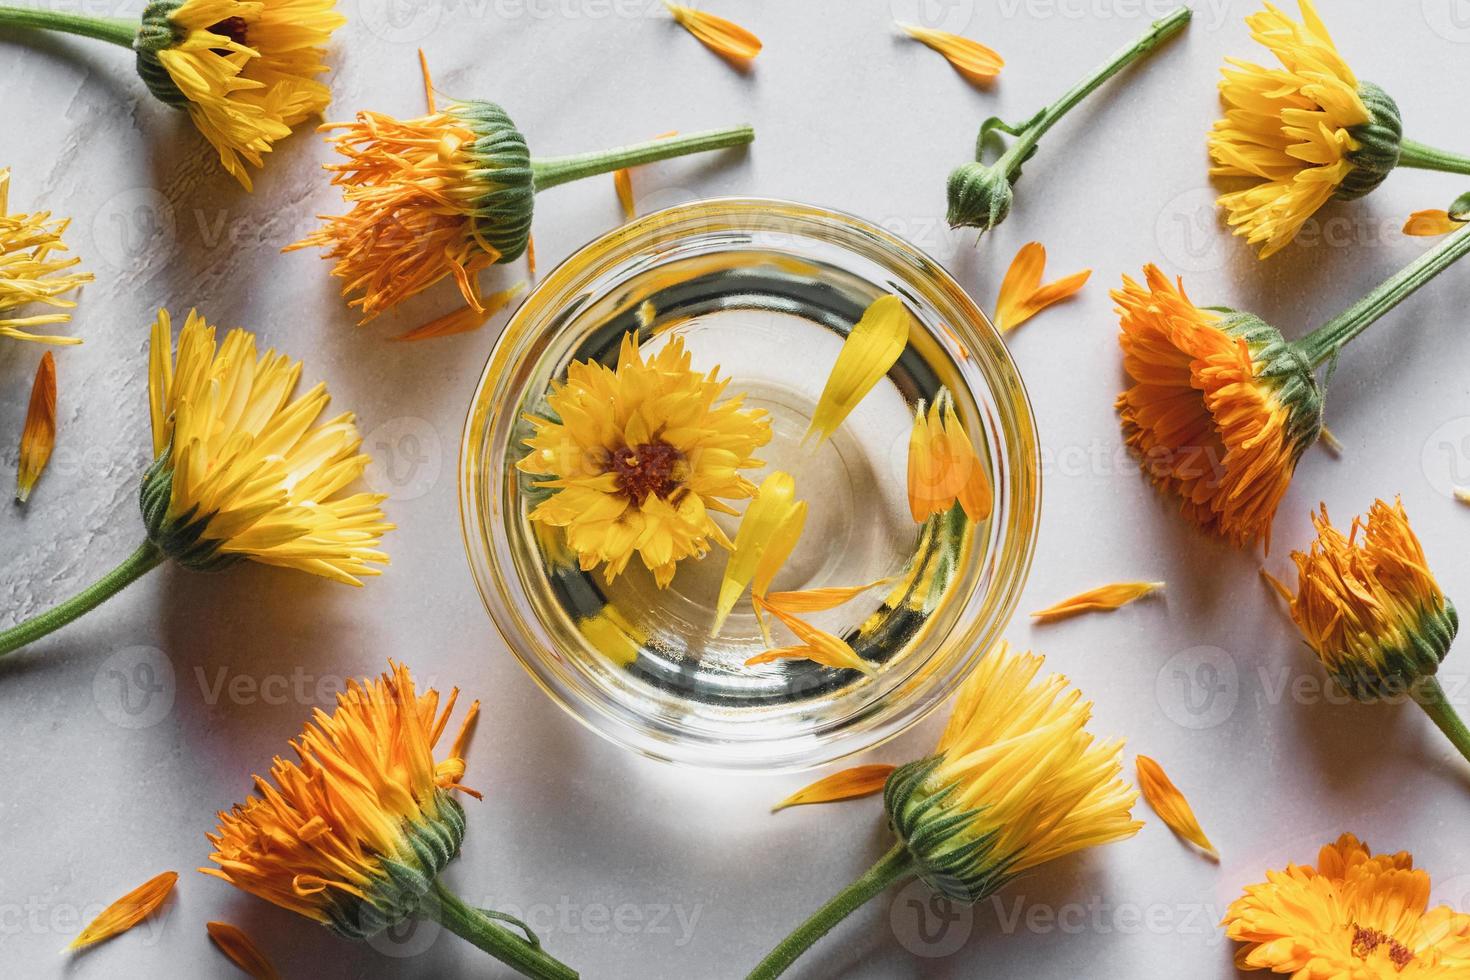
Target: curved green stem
(145, 559)
(1431, 698)
(894, 866)
(517, 952)
(1323, 343)
(1159, 32)
(550, 171)
(115, 29)
(1415, 154)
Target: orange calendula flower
(32, 271)
(768, 533)
(355, 834)
(1102, 599)
(716, 33)
(871, 348)
(848, 784)
(39, 435)
(1022, 294)
(242, 951)
(1355, 915)
(943, 467)
(970, 58)
(127, 911)
(623, 183)
(638, 457)
(1170, 805)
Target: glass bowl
(767, 291)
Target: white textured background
(104, 783)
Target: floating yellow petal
(1170, 805)
(816, 644)
(943, 467)
(1430, 224)
(970, 58)
(773, 521)
(819, 600)
(127, 911)
(623, 183)
(717, 33)
(1102, 599)
(242, 951)
(468, 318)
(29, 273)
(849, 784)
(871, 348)
(39, 435)
(1022, 294)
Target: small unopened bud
(979, 197)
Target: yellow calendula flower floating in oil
(1433, 223)
(1355, 914)
(1305, 133)
(871, 348)
(241, 470)
(1022, 293)
(246, 71)
(1171, 806)
(1369, 607)
(943, 467)
(970, 58)
(639, 455)
(356, 833)
(127, 911)
(448, 195)
(1016, 781)
(32, 270)
(716, 33)
(980, 194)
(1220, 407)
(1102, 599)
(38, 437)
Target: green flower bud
(979, 197)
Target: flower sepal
(179, 536)
(1405, 660)
(501, 214)
(1286, 369)
(1380, 144)
(950, 860)
(979, 196)
(158, 33)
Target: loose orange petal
(975, 494)
(1278, 585)
(1171, 806)
(531, 257)
(242, 951)
(819, 645)
(716, 33)
(871, 348)
(1103, 599)
(970, 58)
(1462, 494)
(942, 465)
(1022, 295)
(466, 319)
(818, 600)
(623, 183)
(127, 911)
(1429, 224)
(770, 524)
(849, 784)
(428, 91)
(38, 437)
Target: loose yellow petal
(1429, 224)
(1022, 295)
(817, 644)
(970, 58)
(531, 257)
(1103, 599)
(871, 348)
(127, 911)
(942, 465)
(39, 435)
(768, 525)
(1171, 806)
(974, 496)
(819, 600)
(467, 319)
(716, 33)
(623, 183)
(1462, 494)
(242, 951)
(849, 784)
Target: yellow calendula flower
(127, 911)
(244, 468)
(718, 34)
(1022, 293)
(1305, 133)
(1355, 914)
(355, 834)
(1016, 781)
(943, 467)
(32, 270)
(639, 455)
(870, 349)
(1171, 806)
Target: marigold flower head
(353, 834)
(241, 470)
(640, 454)
(1369, 606)
(1306, 132)
(1017, 780)
(1219, 409)
(32, 271)
(1355, 914)
(245, 70)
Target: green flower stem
(145, 559)
(1415, 154)
(517, 952)
(550, 171)
(115, 29)
(1431, 698)
(1159, 32)
(894, 866)
(1322, 344)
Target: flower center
(644, 469)
(232, 28)
(1365, 941)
